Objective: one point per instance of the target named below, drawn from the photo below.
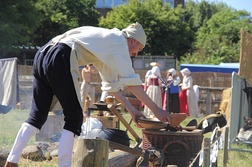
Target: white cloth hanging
(214, 149)
(8, 82)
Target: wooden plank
(245, 56)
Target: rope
(195, 158)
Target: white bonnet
(135, 31)
(155, 70)
(186, 71)
(172, 71)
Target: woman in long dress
(187, 84)
(154, 90)
(183, 101)
(173, 97)
(148, 73)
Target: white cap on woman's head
(185, 71)
(135, 31)
(155, 70)
(172, 71)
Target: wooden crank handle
(112, 108)
(134, 151)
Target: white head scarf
(172, 71)
(135, 31)
(155, 70)
(185, 71)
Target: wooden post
(216, 137)
(206, 160)
(208, 103)
(225, 149)
(86, 104)
(90, 152)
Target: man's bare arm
(161, 114)
(135, 114)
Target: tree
(220, 37)
(166, 32)
(62, 15)
(217, 39)
(18, 19)
(199, 13)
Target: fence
(211, 86)
(210, 99)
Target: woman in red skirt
(183, 101)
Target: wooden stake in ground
(225, 151)
(206, 160)
(90, 152)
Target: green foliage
(166, 32)
(202, 32)
(220, 36)
(217, 35)
(197, 14)
(18, 19)
(199, 57)
(60, 16)
(9, 126)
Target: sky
(237, 4)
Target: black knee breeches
(52, 76)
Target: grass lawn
(11, 122)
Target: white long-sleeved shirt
(107, 50)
